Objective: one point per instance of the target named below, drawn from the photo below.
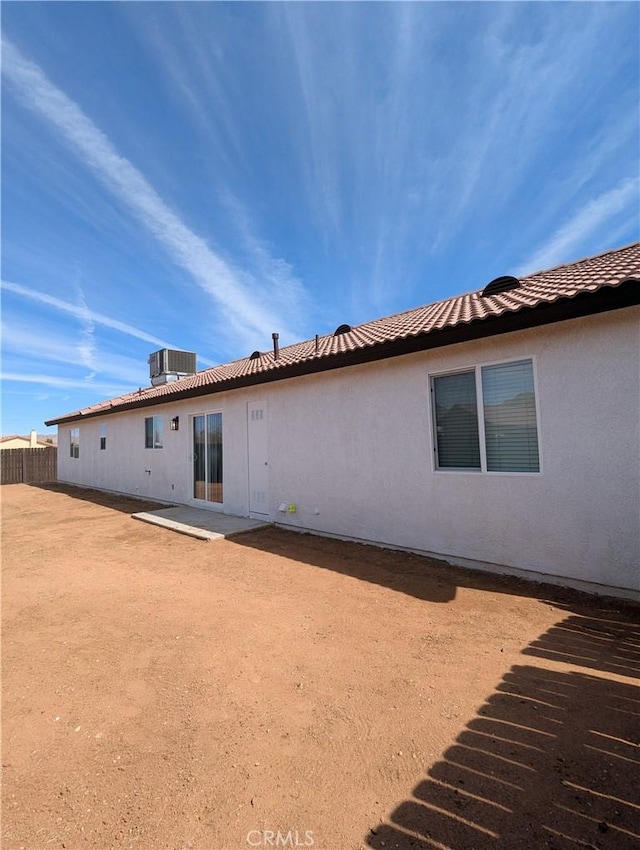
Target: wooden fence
(28, 466)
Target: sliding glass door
(207, 457)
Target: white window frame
(205, 503)
(153, 429)
(477, 370)
(74, 441)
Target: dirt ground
(283, 690)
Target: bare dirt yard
(284, 690)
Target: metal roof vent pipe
(276, 347)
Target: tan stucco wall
(353, 450)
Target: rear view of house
(496, 429)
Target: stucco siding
(352, 449)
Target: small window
(486, 422)
(153, 432)
(103, 437)
(74, 442)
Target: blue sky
(198, 175)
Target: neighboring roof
(39, 441)
(595, 284)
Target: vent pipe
(276, 347)
(317, 343)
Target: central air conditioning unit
(169, 365)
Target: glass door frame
(207, 488)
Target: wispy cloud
(321, 136)
(287, 290)
(414, 135)
(86, 346)
(20, 341)
(566, 241)
(245, 309)
(81, 313)
(511, 120)
(55, 381)
(195, 71)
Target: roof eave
(605, 299)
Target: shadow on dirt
(416, 575)
(115, 501)
(599, 643)
(419, 576)
(551, 760)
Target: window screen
(153, 432)
(148, 432)
(456, 415)
(74, 442)
(511, 431)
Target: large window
(74, 442)
(485, 419)
(153, 432)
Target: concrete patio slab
(195, 522)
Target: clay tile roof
(535, 291)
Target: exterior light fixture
(175, 423)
